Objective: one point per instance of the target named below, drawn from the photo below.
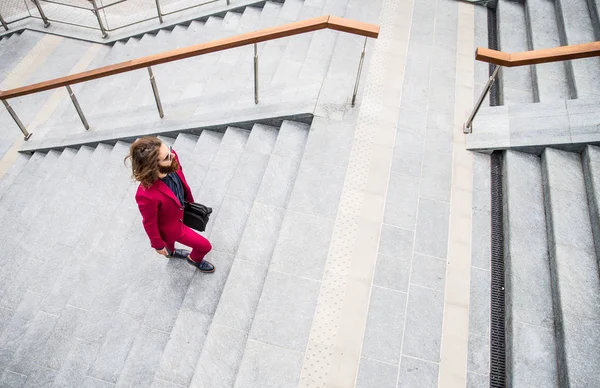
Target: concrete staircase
(84, 300)
(128, 316)
(553, 282)
(197, 91)
(538, 24)
(205, 87)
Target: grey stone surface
(402, 200)
(182, 351)
(574, 267)
(475, 380)
(61, 339)
(374, 373)
(385, 325)
(40, 378)
(479, 309)
(591, 168)
(575, 19)
(318, 188)
(529, 292)
(30, 345)
(303, 244)
(261, 234)
(241, 295)
(20, 322)
(12, 379)
(550, 80)
(91, 382)
(221, 357)
(533, 360)
(479, 354)
(396, 242)
(222, 169)
(228, 228)
(429, 272)
(417, 373)
(392, 272)
(111, 357)
(285, 311)
(516, 82)
(481, 248)
(431, 236)
(77, 364)
(422, 335)
(143, 358)
(278, 181)
(168, 297)
(265, 365)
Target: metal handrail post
(160, 16)
(255, 74)
(161, 113)
(77, 107)
(468, 126)
(3, 22)
(97, 13)
(360, 66)
(42, 14)
(17, 120)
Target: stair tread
(516, 82)
(574, 266)
(578, 28)
(530, 314)
(551, 78)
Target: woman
(160, 198)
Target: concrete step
(190, 314)
(549, 79)
(574, 268)
(111, 88)
(222, 171)
(591, 169)
(241, 72)
(95, 95)
(228, 335)
(215, 367)
(516, 83)
(227, 65)
(594, 7)
(290, 65)
(58, 63)
(576, 26)
(13, 172)
(531, 347)
(15, 48)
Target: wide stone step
(576, 24)
(216, 368)
(591, 169)
(550, 79)
(574, 269)
(531, 347)
(516, 84)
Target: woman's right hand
(163, 252)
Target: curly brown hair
(143, 154)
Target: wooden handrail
(318, 23)
(556, 54)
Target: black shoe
(180, 254)
(203, 266)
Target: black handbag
(196, 215)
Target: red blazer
(162, 214)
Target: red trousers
(200, 245)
